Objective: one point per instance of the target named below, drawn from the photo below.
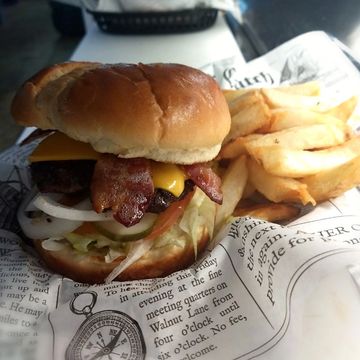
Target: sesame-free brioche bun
(165, 112)
(158, 262)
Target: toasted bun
(164, 112)
(156, 263)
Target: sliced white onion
(53, 244)
(31, 207)
(138, 249)
(43, 226)
(113, 255)
(79, 212)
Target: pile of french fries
(286, 147)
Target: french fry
(233, 185)
(276, 188)
(269, 212)
(331, 183)
(355, 118)
(286, 118)
(299, 147)
(301, 137)
(310, 88)
(231, 94)
(236, 147)
(248, 191)
(276, 98)
(280, 99)
(344, 110)
(244, 101)
(249, 113)
(300, 163)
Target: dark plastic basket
(156, 22)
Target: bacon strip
(206, 180)
(124, 185)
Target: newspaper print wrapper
(264, 291)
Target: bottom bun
(92, 269)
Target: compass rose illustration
(107, 334)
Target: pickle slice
(116, 231)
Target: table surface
(194, 49)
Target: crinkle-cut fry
(286, 118)
(310, 88)
(236, 147)
(301, 137)
(280, 99)
(332, 183)
(233, 184)
(269, 212)
(249, 113)
(278, 189)
(287, 162)
(344, 110)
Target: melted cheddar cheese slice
(57, 147)
(168, 177)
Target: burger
(122, 183)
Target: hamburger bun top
(165, 112)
